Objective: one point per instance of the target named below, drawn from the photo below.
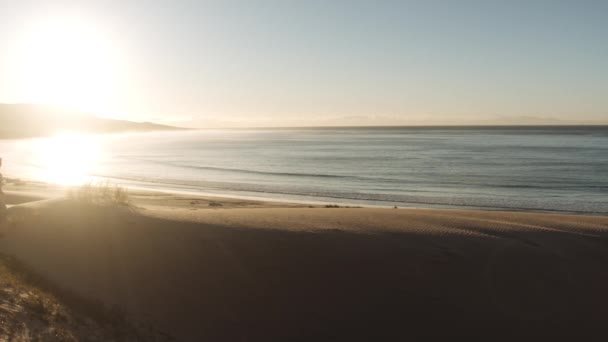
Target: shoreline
(425, 177)
(21, 191)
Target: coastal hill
(26, 121)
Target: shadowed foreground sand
(240, 273)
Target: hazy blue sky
(276, 63)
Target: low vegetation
(100, 193)
(338, 206)
(33, 309)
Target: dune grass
(100, 193)
(36, 309)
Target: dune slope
(303, 274)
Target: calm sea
(535, 168)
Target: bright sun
(67, 61)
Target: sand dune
(253, 271)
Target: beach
(295, 171)
(211, 268)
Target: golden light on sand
(66, 61)
(66, 159)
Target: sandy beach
(222, 269)
(303, 171)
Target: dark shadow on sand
(221, 283)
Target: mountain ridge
(29, 121)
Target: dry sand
(254, 271)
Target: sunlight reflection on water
(65, 158)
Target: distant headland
(28, 121)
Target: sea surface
(562, 169)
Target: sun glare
(66, 61)
(66, 159)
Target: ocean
(561, 169)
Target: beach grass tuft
(100, 193)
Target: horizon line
(411, 126)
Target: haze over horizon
(314, 63)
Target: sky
(310, 63)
